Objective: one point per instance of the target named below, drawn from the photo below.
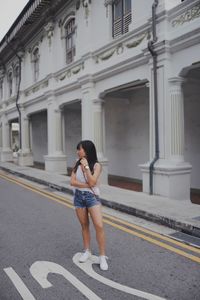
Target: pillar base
(25, 159)
(56, 164)
(170, 179)
(6, 155)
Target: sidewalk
(181, 215)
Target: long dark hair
(91, 154)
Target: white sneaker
(103, 262)
(84, 256)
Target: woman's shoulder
(97, 165)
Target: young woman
(85, 179)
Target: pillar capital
(176, 80)
(98, 101)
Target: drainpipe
(18, 90)
(154, 56)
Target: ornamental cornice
(188, 16)
(85, 4)
(69, 72)
(2, 73)
(118, 68)
(120, 47)
(9, 101)
(49, 30)
(108, 2)
(36, 87)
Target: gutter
(154, 56)
(18, 90)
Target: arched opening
(38, 138)
(191, 92)
(127, 134)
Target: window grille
(16, 77)
(10, 83)
(122, 17)
(36, 64)
(70, 40)
(1, 88)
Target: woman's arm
(91, 178)
(74, 182)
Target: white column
(177, 119)
(99, 136)
(25, 156)
(98, 126)
(93, 125)
(171, 175)
(87, 112)
(6, 151)
(0, 137)
(55, 161)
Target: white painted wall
(127, 133)
(39, 136)
(192, 131)
(72, 123)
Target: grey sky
(9, 11)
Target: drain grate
(187, 238)
(197, 218)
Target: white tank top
(80, 177)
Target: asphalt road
(39, 237)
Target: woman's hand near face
(84, 162)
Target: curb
(171, 223)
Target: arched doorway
(191, 93)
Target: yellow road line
(152, 233)
(156, 242)
(37, 191)
(33, 187)
(62, 201)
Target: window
(1, 88)
(36, 64)
(16, 78)
(122, 17)
(10, 84)
(70, 40)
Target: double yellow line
(145, 234)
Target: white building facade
(84, 71)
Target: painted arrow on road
(87, 268)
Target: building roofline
(21, 20)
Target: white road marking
(18, 283)
(87, 268)
(41, 269)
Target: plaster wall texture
(39, 136)
(127, 134)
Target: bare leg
(82, 214)
(96, 215)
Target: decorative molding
(2, 72)
(135, 43)
(85, 5)
(70, 72)
(36, 44)
(62, 22)
(36, 88)
(108, 2)
(49, 29)
(119, 48)
(187, 16)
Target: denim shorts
(85, 199)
